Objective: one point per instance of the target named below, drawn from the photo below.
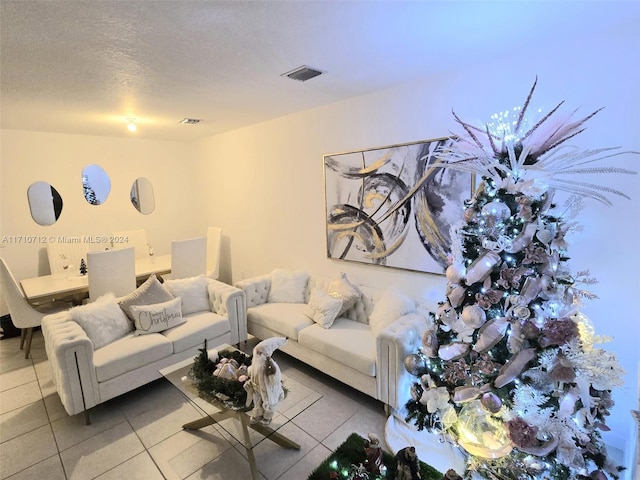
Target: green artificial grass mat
(352, 452)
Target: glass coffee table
(236, 422)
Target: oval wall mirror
(142, 196)
(96, 184)
(45, 203)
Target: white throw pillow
(149, 293)
(103, 320)
(287, 286)
(392, 304)
(158, 317)
(193, 292)
(322, 308)
(345, 291)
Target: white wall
(26, 157)
(264, 184)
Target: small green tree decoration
(83, 267)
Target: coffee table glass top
(299, 397)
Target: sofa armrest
(256, 289)
(70, 354)
(230, 302)
(394, 343)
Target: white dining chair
(214, 239)
(111, 271)
(188, 257)
(66, 257)
(132, 238)
(23, 315)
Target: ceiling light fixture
(303, 73)
(131, 124)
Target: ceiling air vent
(303, 73)
(190, 121)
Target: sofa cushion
(287, 286)
(149, 293)
(392, 304)
(345, 291)
(129, 353)
(197, 327)
(347, 341)
(157, 317)
(323, 308)
(193, 291)
(103, 320)
(287, 319)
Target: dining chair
(23, 315)
(111, 271)
(188, 257)
(64, 257)
(214, 239)
(131, 238)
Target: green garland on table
(229, 392)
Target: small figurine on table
(358, 472)
(264, 387)
(408, 465)
(373, 450)
(451, 475)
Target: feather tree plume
(510, 152)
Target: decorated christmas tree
(508, 369)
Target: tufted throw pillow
(287, 286)
(392, 304)
(158, 317)
(149, 293)
(103, 320)
(345, 291)
(322, 308)
(193, 292)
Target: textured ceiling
(84, 66)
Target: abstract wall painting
(391, 206)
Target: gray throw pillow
(149, 293)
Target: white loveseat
(86, 376)
(367, 357)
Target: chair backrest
(22, 314)
(188, 257)
(132, 238)
(111, 271)
(214, 239)
(68, 254)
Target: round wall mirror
(96, 184)
(142, 196)
(45, 203)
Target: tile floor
(139, 435)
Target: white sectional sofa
(89, 369)
(365, 347)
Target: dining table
(75, 287)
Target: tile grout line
(50, 421)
